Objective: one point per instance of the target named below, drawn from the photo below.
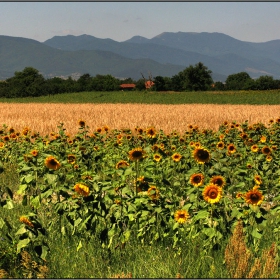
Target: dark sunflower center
(254, 197)
(202, 154)
(231, 148)
(197, 179)
(181, 215)
(218, 182)
(213, 194)
(137, 154)
(53, 162)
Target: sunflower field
(118, 185)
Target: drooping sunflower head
(254, 196)
(201, 155)
(136, 154)
(157, 157)
(181, 216)
(52, 163)
(82, 123)
(212, 193)
(197, 179)
(26, 221)
(81, 189)
(258, 179)
(151, 132)
(231, 148)
(176, 157)
(266, 150)
(254, 148)
(153, 193)
(218, 180)
(71, 158)
(122, 164)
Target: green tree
(28, 82)
(105, 83)
(239, 81)
(196, 78)
(159, 83)
(266, 82)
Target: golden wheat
(44, 117)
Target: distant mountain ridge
(163, 55)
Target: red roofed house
(127, 86)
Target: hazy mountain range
(163, 55)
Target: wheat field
(45, 117)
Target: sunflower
(6, 138)
(99, 130)
(254, 196)
(11, 130)
(268, 157)
(136, 154)
(2, 145)
(82, 123)
(122, 164)
(34, 153)
(81, 189)
(71, 158)
(142, 185)
(258, 179)
(218, 180)
(153, 193)
(181, 216)
(151, 132)
(155, 147)
(212, 193)
(254, 148)
(244, 136)
(220, 145)
(140, 130)
(26, 221)
(176, 157)
(263, 139)
(157, 157)
(201, 155)
(231, 148)
(52, 163)
(249, 165)
(106, 128)
(222, 136)
(197, 179)
(266, 150)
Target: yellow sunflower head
(157, 157)
(2, 145)
(254, 197)
(266, 150)
(218, 180)
(136, 154)
(81, 189)
(34, 153)
(181, 216)
(268, 157)
(151, 132)
(201, 155)
(52, 163)
(220, 145)
(258, 179)
(176, 157)
(212, 193)
(263, 139)
(254, 148)
(231, 148)
(122, 164)
(153, 193)
(197, 179)
(71, 158)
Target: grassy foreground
(150, 97)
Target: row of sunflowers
(117, 184)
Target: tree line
(30, 83)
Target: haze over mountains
(163, 55)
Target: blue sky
(246, 21)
